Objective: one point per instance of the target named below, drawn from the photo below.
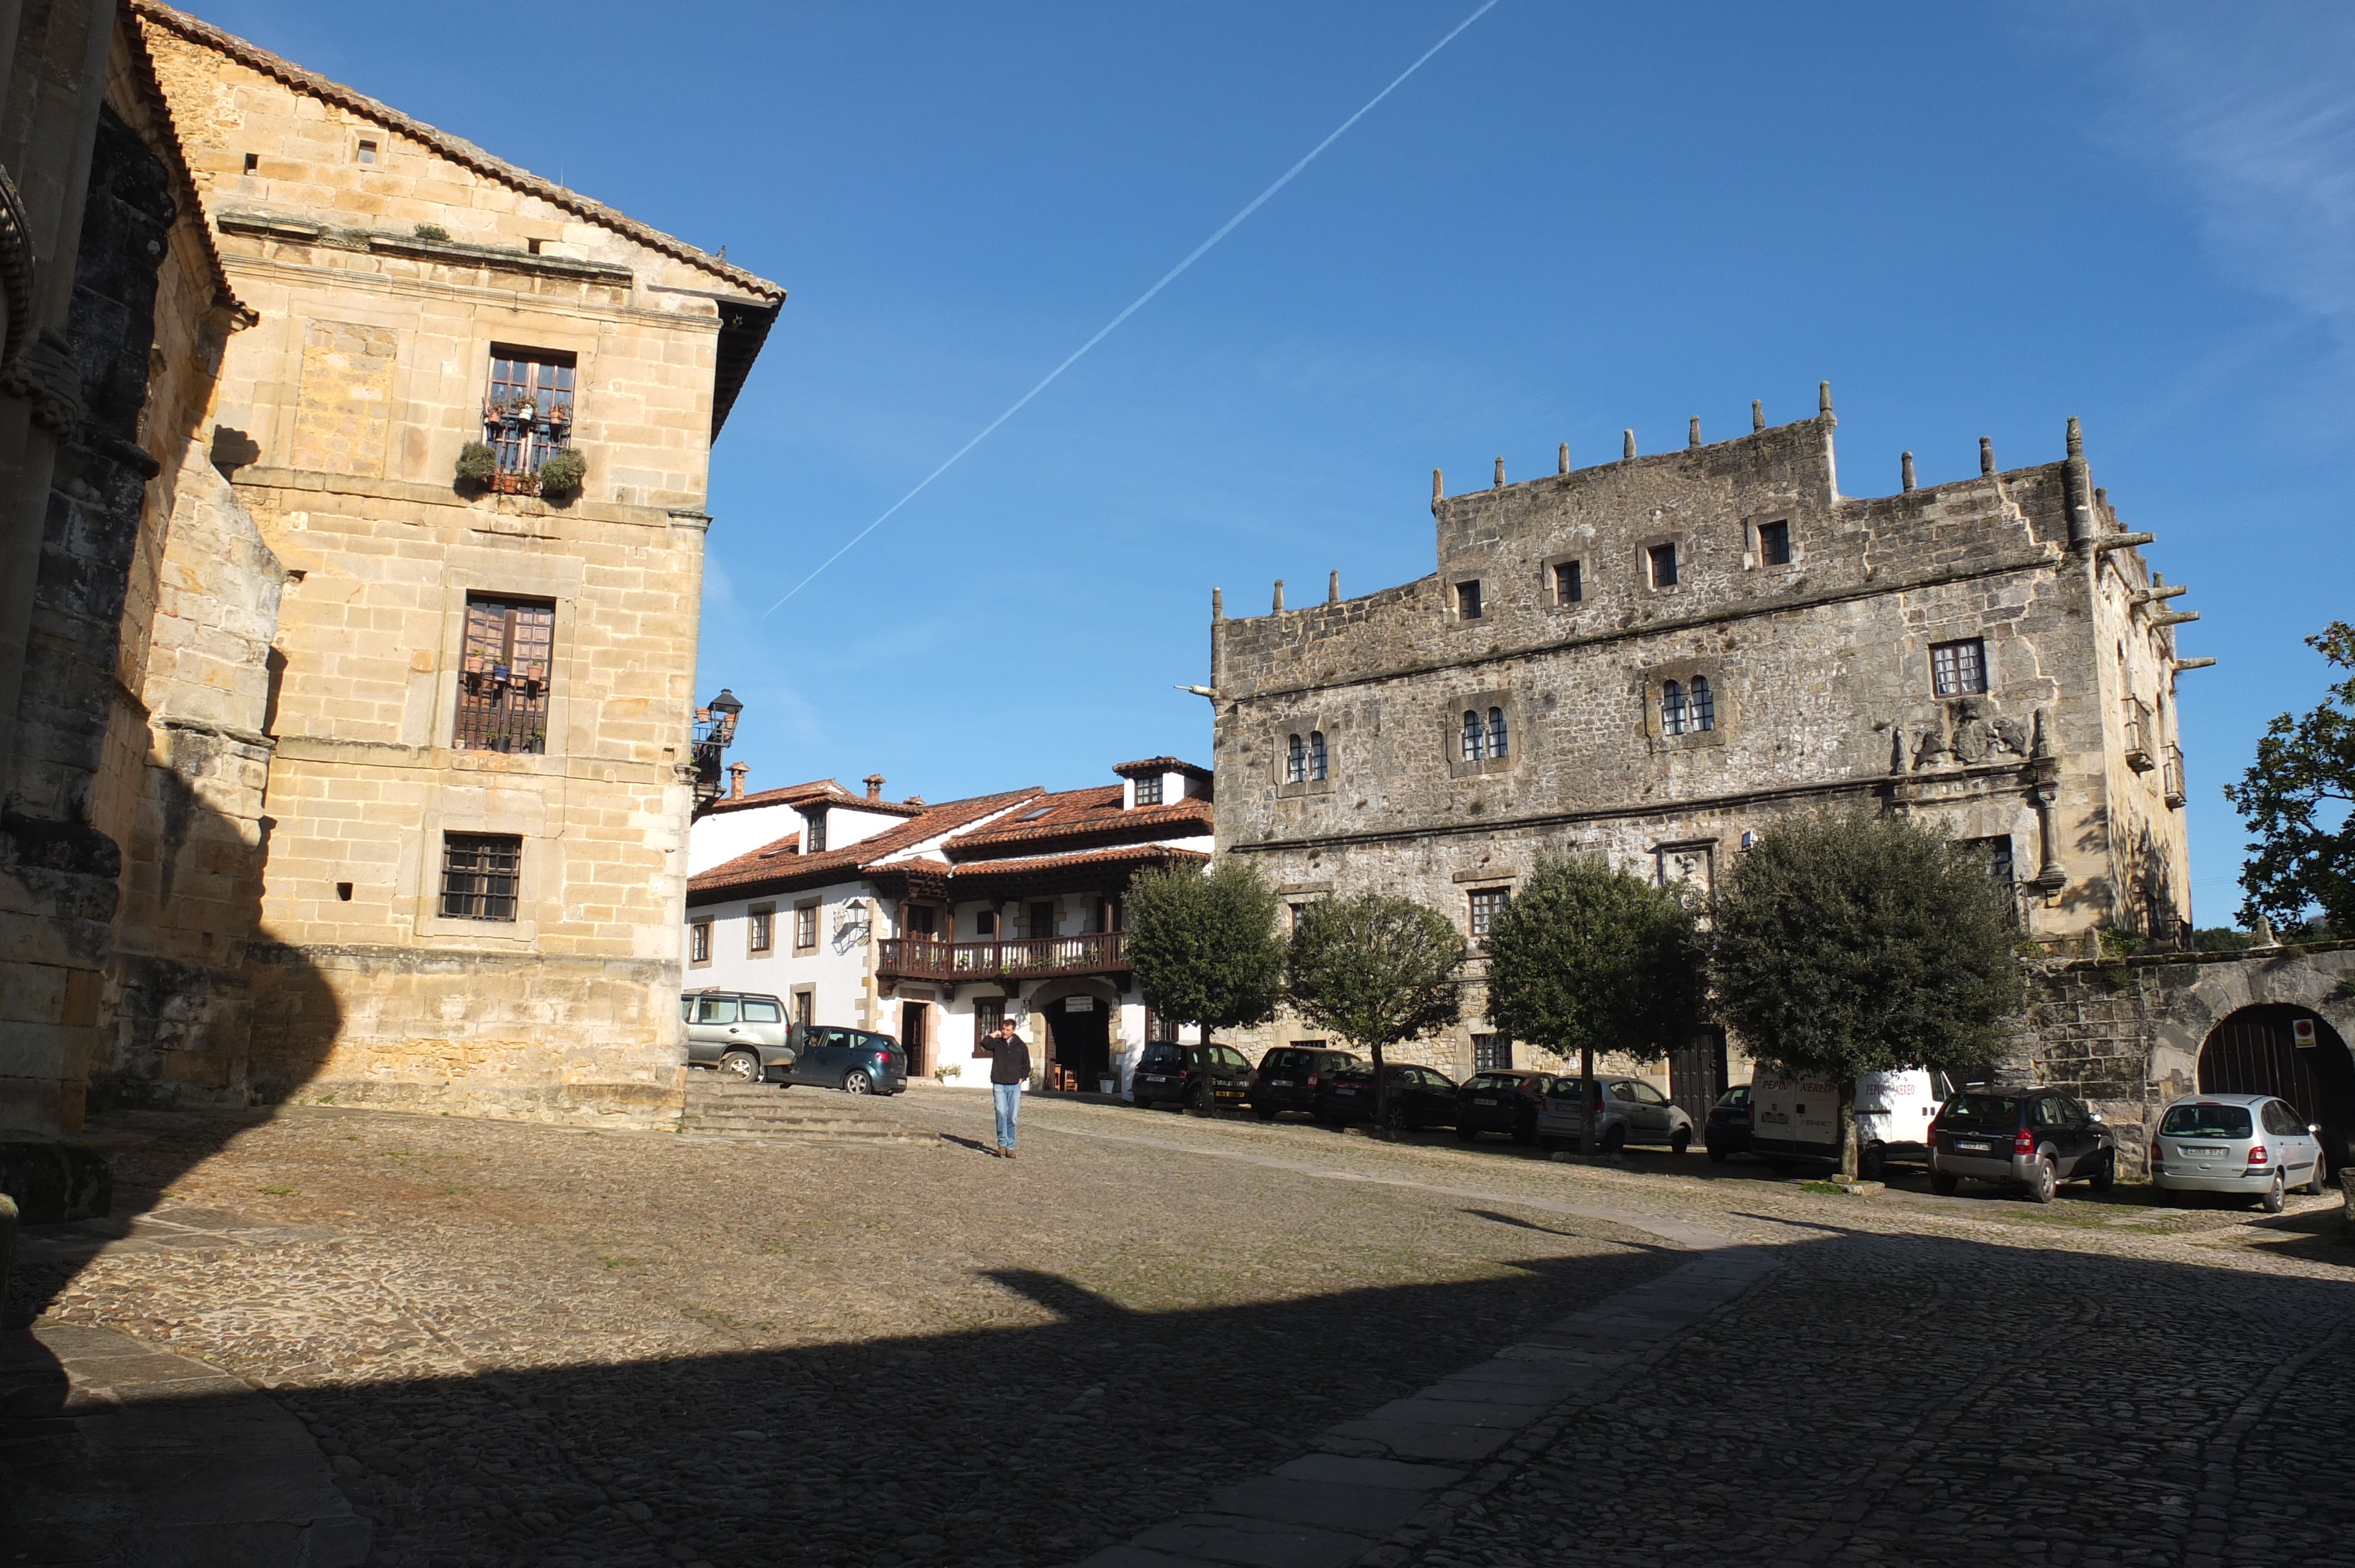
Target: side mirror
(2314, 1128)
(2094, 1116)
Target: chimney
(735, 772)
(874, 782)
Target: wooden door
(2256, 1052)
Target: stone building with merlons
(371, 771)
(1654, 659)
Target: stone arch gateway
(2263, 1050)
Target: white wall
(719, 837)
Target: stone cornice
(450, 762)
(302, 231)
(655, 515)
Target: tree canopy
(1850, 942)
(1587, 959)
(2298, 799)
(1376, 970)
(1205, 948)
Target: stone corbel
(42, 373)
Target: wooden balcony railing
(1021, 958)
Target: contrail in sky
(1138, 304)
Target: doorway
(915, 1036)
(2291, 1052)
(1081, 1030)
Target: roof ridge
(455, 148)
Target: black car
(1731, 1121)
(1501, 1101)
(1290, 1075)
(1416, 1097)
(2034, 1138)
(1194, 1077)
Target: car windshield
(2205, 1121)
(1164, 1055)
(1998, 1111)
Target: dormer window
(814, 836)
(1148, 790)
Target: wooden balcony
(1026, 957)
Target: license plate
(2201, 1153)
(1279, 1083)
(1157, 1078)
(1351, 1093)
(1973, 1147)
(1480, 1100)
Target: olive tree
(1586, 958)
(1204, 945)
(1376, 971)
(1852, 942)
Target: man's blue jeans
(1009, 1108)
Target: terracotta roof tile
(774, 867)
(1078, 821)
(1151, 765)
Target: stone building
(930, 923)
(1653, 659)
(395, 762)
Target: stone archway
(1079, 1017)
(2282, 1049)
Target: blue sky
(1971, 220)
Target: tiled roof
(774, 868)
(1152, 765)
(1083, 816)
(812, 792)
(1026, 865)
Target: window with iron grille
(806, 927)
(1774, 544)
(1148, 790)
(1295, 761)
(502, 675)
(1672, 707)
(1317, 756)
(1475, 737)
(1702, 704)
(1485, 903)
(1492, 1053)
(527, 413)
(762, 920)
(1569, 585)
(1958, 669)
(479, 876)
(1497, 748)
(699, 942)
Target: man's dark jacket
(1010, 1058)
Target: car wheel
(1550, 1144)
(1720, 1156)
(745, 1065)
(2271, 1201)
(1872, 1163)
(2106, 1172)
(1943, 1182)
(857, 1082)
(2320, 1183)
(1467, 1134)
(1680, 1140)
(1204, 1101)
(1614, 1142)
(1394, 1118)
(2045, 1182)
(1524, 1136)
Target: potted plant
(563, 471)
(477, 464)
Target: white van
(1795, 1118)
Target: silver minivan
(738, 1031)
(1631, 1111)
(2250, 1146)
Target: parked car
(1627, 1110)
(1797, 1119)
(1289, 1077)
(2032, 1138)
(1501, 1101)
(738, 1031)
(2251, 1146)
(1727, 1132)
(1193, 1077)
(1416, 1097)
(855, 1061)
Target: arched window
(1704, 706)
(1472, 736)
(1295, 761)
(1317, 756)
(1496, 734)
(1672, 708)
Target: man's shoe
(998, 1149)
(1007, 1152)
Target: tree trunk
(1381, 1094)
(1586, 1100)
(1848, 1129)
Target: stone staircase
(721, 1105)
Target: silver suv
(738, 1031)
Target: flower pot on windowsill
(561, 476)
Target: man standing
(1010, 1071)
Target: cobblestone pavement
(525, 1343)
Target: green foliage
(1849, 942)
(2222, 939)
(2117, 944)
(563, 471)
(1585, 957)
(1205, 947)
(2296, 800)
(477, 464)
(1375, 970)
(431, 231)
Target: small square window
(1148, 790)
(1958, 669)
(1492, 1053)
(1774, 544)
(1568, 583)
(367, 151)
(252, 162)
(1663, 566)
(480, 873)
(1487, 901)
(762, 920)
(699, 942)
(1467, 600)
